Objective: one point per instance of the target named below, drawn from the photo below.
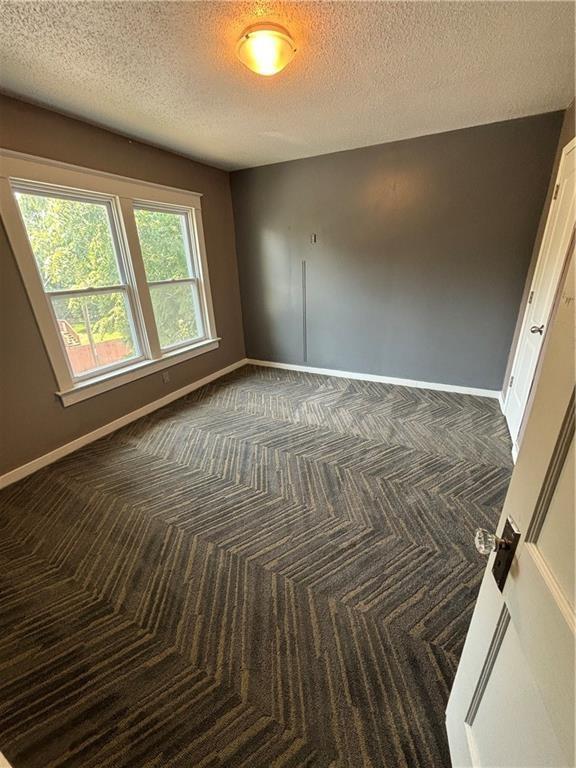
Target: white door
(557, 235)
(512, 702)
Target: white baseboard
(112, 426)
(515, 449)
(383, 379)
(49, 458)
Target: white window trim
(99, 384)
(17, 167)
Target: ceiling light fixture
(265, 48)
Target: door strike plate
(505, 552)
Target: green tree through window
(164, 241)
(74, 248)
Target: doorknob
(504, 547)
(537, 329)
(487, 542)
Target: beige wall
(32, 419)
(567, 133)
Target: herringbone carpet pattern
(277, 570)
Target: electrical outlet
(165, 377)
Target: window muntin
(75, 243)
(171, 271)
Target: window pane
(165, 244)
(177, 313)
(95, 329)
(71, 240)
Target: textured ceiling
(364, 73)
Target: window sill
(99, 384)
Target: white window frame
(20, 172)
(192, 249)
(126, 286)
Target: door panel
(523, 373)
(512, 703)
(558, 531)
(508, 694)
(551, 259)
(547, 635)
(541, 608)
(479, 641)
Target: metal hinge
(511, 381)
(530, 297)
(556, 188)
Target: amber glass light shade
(266, 48)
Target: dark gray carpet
(277, 570)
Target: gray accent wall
(421, 253)
(32, 419)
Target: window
(115, 270)
(169, 262)
(74, 241)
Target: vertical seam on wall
(304, 327)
